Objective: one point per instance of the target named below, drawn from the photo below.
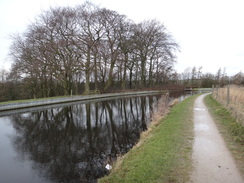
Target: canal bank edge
(44, 102)
(165, 156)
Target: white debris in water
(108, 167)
(199, 109)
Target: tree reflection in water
(74, 143)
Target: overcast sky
(210, 32)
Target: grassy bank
(232, 97)
(164, 155)
(232, 131)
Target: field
(232, 97)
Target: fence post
(228, 95)
(217, 91)
(212, 90)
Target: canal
(71, 143)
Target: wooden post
(228, 95)
(217, 91)
(212, 90)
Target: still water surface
(70, 144)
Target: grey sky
(210, 32)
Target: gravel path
(212, 161)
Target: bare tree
(193, 75)
(238, 78)
(113, 24)
(151, 43)
(66, 46)
(186, 75)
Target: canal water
(69, 144)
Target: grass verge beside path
(165, 154)
(30, 100)
(232, 132)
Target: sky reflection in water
(73, 143)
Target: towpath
(212, 161)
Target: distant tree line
(12, 90)
(75, 50)
(194, 76)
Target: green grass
(232, 131)
(165, 155)
(28, 100)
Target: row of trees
(12, 90)
(190, 76)
(66, 49)
(195, 76)
(75, 50)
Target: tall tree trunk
(87, 71)
(150, 73)
(131, 74)
(95, 72)
(143, 71)
(124, 74)
(110, 77)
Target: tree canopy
(66, 47)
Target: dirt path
(212, 161)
